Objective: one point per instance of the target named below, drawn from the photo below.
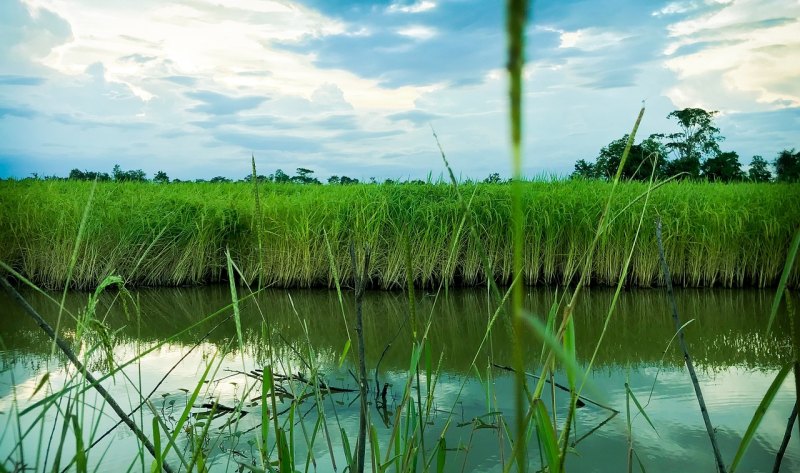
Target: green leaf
(787, 269)
(266, 386)
(286, 456)
(416, 352)
(569, 349)
(234, 299)
(348, 454)
(40, 384)
(428, 366)
(80, 453)
(157, 462)
(758, 415)
(344, 352)
(375, 446)
(639, 406)
(546, 434)
(441, 455)
(186, 410)
(568, 361)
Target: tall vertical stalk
(516, 15)
(258, 217)
(94, 382)
(359, 275)
(687, 358)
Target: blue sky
(194, 87)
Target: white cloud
(745, 59)
(589, 39)
(420, 32)
(674, 8)
(418, 7)
(213, 43)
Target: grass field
(150, 234)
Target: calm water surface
(736, 362)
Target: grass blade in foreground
(689, 365)
(787, 269)
(759, 415)
(81, 369)
(516, 16)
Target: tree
(723, 167)
(131, 176)
(333, 180)
(584, 169)
(304, 177)
(642, 159)
(698, 139)
(344, 180)
(787, 166)
(161, 177)
(219, 179)
(494, 178)
(759, 170)
(78, 175)
(279, 176)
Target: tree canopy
(693, 152)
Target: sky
(196, 87)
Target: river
(736, 361)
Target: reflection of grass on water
(728, 327)
(188, 244)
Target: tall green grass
(715, 234)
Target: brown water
(736, 362)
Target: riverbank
(729, 235)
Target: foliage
(584, 169)
(494, 178)
(128, 176)
(697, 139)
(304, 176)
(759, 170)
(639, 165)
(279, 176)
(642, 158)
(161, 177)
(787, 166)
(723, 167)
(78, 175)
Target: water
(736, 362)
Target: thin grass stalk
(73, 260)
(787, 435)
(259, 225)
(624, 274)
(687, 358)
(82, 369)
(516, 17)
(586, 272)
(67, 389)
(360, 274)
(417, 349)
(794, 329)
(787, 269)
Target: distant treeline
(302, 176)
(692, 153)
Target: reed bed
(729, 235)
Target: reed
(728, 235)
